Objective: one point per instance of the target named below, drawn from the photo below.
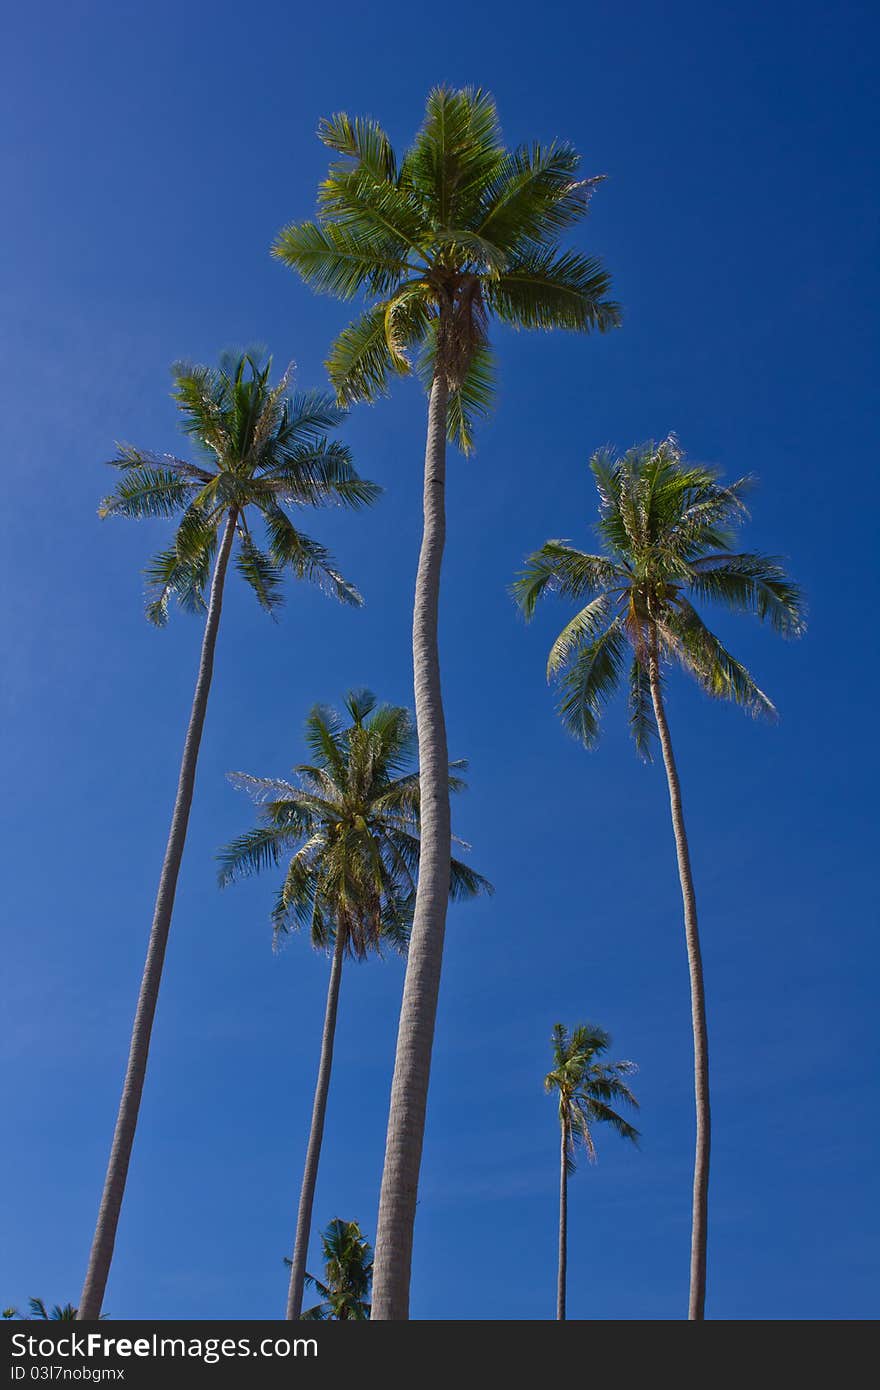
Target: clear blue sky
(150, 153)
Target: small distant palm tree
(348, 1273)
(457, 233)
(587, 1091)
(352, 823)
(668, 526)
(262, 451)
(60, 1312)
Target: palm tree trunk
(101, 1255)
(316, 1135)
(563, 1230)
(415, 1037)
(699, 1224)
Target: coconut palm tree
(352, 823)
(668, 526)
(38, 1312)
(458, 232)
(261, 451)
(587, 1091)
(348, 1273)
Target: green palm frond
(545, 288)
(751, 584)
(265, 578)
(251, 853)
(699, 651)
(360, 360)
(147, 492)
(362, 140)
(642, 724)
(535, 191)
(335, 259)
(456, 153)
(289, 548)
(584, 625)
(589, 681)
(561, 568)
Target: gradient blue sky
(150, 153)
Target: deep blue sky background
(150, 153)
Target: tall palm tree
(261, 450)
(587, 1091)
(457, 232)
(353, 826)
(668, 526)
(348, 1273)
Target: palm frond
(546, 288)
(264, 578)
(360, 360)
(362, 140)
(753, 584)
(338, 260)
(590, 681)
(535, 195)
(642, 723)
(563, 569)
(717, 671)
(308, 559)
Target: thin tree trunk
(101, 1254)
(699, 1225)
(415, 1037)
(316, 1135)
(563, 1231)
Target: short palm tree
(668, 526)
(348, 1273)
(458, 232)
(352, 823)
(588, 1090)
(38, 1312)
(261, 452)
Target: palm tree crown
(263, 451)
(588, 1089)
(458, 230)
(352, 823)
(348, 1272)
(668, 526)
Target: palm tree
(348, 1272)
(353, 826)
(668, 526)
(460, 230)
(60, 1312)
(587, 1090)
(261, 451)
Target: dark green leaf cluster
(348, 1274)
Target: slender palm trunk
(104, 1239)
(415, 1037)
(316, 1135)
(699, 1225)
(563, 1230)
